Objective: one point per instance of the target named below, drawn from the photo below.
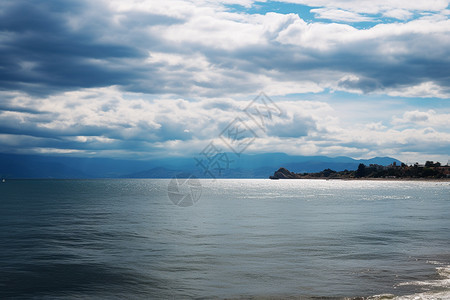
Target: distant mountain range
(245, 166)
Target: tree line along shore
(429, 170)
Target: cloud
(339, 15)
(108, 122)
(155, 78)
(428, 119)
(93, 118)
(400, 14)
(426, 89)
(394, 58)
(182, 48)
(46, 48)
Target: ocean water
(257, 239)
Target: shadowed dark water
(244, 238)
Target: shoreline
(371, 179)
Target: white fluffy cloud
(428, 118)
(107, 121)
(339, 15)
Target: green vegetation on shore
(430, 170)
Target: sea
(237, 239)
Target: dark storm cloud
(376, 71)
(41, 52)
(20, 109)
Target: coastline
(430, 172)
(371, 179)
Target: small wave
(441, 286)
(426, 296)
(443, 272)
(419, 296)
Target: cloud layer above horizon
(154, 78)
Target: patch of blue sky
(372, 20)
(419, 102)
(304, 12)
(262, 8)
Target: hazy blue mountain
(243, 166)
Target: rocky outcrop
(283, 173)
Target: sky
(144, 79)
